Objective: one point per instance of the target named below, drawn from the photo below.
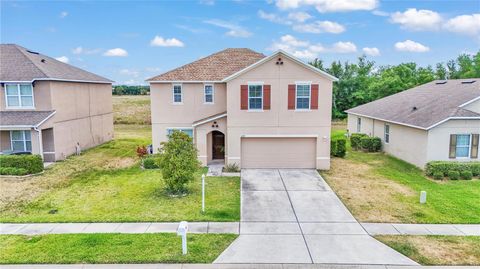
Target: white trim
(210, 119)
(453, 118)
(279, 136)
(323, 158)
(26, 127)
(182, 128)
(470, 137)
(255, 83)
(469, 102)
(234, 158)
(183, 81)
(309, 96)
(181, 94)
(56, 79)
(261, 97)
(19, 96)
(205, 95)
(291, 57)
(49, 152)
(23, 139)
(44, 120)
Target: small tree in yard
(178, 161)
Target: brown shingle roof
(20, 64)
(214, 67)
(23, 118)
(425, 105)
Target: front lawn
(437, 250)
(111, 248)
(380, 188)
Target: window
(177, 94)
(21, 140)
(255, 97)
(188, 131)
(302, 96)
(19, 95)
(463, 146)
(208, 93)
(387, 133)
(359, 125)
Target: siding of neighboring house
(474, 106)
(279, 120)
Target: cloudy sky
(130, 41)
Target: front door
(218, 144)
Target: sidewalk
(421, 229)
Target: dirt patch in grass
(368, 196)
(437, 250)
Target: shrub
(445, 166)
(466, 175)
(453, 175)
(32, 163)
(13, 171)
(338, 146)
(151, 162)
(355, 140)
(178, 161)
(371, 144)
(231, 168)
(438, 175)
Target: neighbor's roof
(24, 118)
(18, 64)
(425, 106)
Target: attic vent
(42, 60)
(414, 108)
(441, 82)
(468, 81)
(33, 52)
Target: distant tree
(130, 90)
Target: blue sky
(128, 41)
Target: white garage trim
(280, 136)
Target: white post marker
(203, 193)
(423, 197)
(182, 231)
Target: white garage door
(278, 152)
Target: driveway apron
(293, 216)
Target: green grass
(111, 248)
(131, 109)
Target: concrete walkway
(292, 216)
(421, 229)
(215, 168)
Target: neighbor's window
(19, 95)
(188, 131)
(359, 124)
(208, 92)
(463, 146)
(255, 96)
(177, 94)
(303, 96)
(21, 140)
(387, 133)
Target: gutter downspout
(40, 141)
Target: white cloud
(371, 51)
(320, 27)
(299, 16)
(207, 2)
(129, 72)
(81, 50)
(234, 30)
(380, 13)
(159, 41)
(344, 47)
(63, 14)
(417, 20)
(63, 59)
(329, 5)
(464, 24)
(411, 46)
(273, 17)
(116, 52)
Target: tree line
(130, 90)
(364, 81)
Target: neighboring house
(245, 108)
(48, 107)
(439, 120)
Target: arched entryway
(218, 145)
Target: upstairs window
(387, 133)
(359, 125)
(255, 97)
(19, 95)
(208, 93)
(302, 96)
(21, 141)
(177, 94)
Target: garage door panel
(278, 153)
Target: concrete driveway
(292, 216)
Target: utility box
(182, 231)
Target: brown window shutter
(474, 150)
(314, 97)
(453, 147)
(266, 97)
(291, 96)
(244, 97)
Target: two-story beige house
(245, 108)
(50, 108)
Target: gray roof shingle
(425, 105)
(23, 118)
(20, 64)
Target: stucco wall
(5, 143)
(279, 120)
(475, 106)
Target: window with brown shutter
(474, 149)
(266, 97)
(453, 147)
(291, 96)
(244, 97)
(314, 97)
